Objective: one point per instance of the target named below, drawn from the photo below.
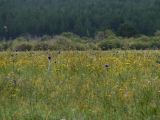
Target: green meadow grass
(93, 85)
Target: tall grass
(79, 86)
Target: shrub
(100, 35)
(155, 45)
(63, 44)
(93, 46)
(5, 46)
(46, 37)
(80, 47)
(23, 47)
(140, 46)
(144, 38)
(110, 44)
(41, 46)
(69, 35)
(157, 33)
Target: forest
(127, 18)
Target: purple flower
(106, 66)
(49, 57)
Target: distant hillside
(83, 17)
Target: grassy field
(113, 85)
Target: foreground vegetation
(113, 85)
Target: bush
(100, 35)
(23, 47)
(63, 44)
(4, 46)
(155, 45)
(80, 47)
(41, 46)
(144, 38)
(110, 44)
(92, 46)
(157, 33)
(46, 37)
(69, 35)
(140, 46)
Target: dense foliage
(83, 17)
(71, 42)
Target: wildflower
(49, 57)
(106, 66)
(127, 63)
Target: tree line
(83, 17)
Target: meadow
(73, 85)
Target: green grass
(78, 86)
